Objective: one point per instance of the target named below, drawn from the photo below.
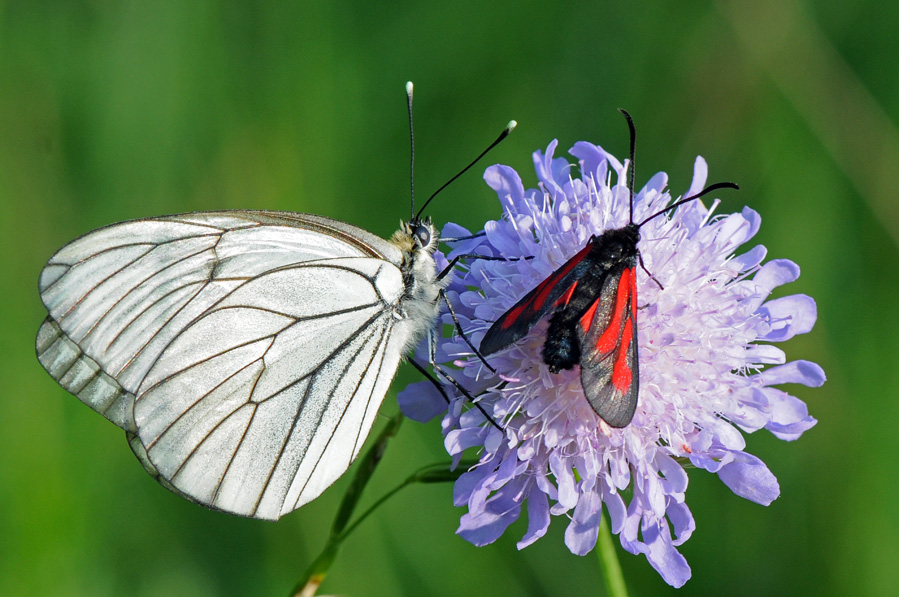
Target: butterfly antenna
(631, 171)
(509, 128)
(705, 191)
(411, 150)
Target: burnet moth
(593, 301)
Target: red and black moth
(593, 301)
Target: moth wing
(607, 333)
(245, 353)
(518, 321)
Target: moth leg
(648, 273)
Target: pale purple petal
(568, 495)
(595, 159)
(804, 372)
(507, 184)
(656, 184)
(682, 520)
(421, 401)
(675, 477)
(498, 238)
(466, 484)
(789, 316)
(553, 172)
(663, 556)
(487, 526)
(617, 510)
(755, 222)
(789, 415)
(582, 531)
(538, 518)
(751, 258)
(460, 440)
(463, 247)
(700, 176)
(773, 274)
(749, 478)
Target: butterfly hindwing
(607, 333)
(244, 353)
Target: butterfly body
(592, 301)
(244, 353)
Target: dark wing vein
(343, 412)
(108, 250)
(139, 314)
(95, 286)
(212, 307)
(323, 411)
(296, 320)
(211, 390)
(140, 350)
(142, 282)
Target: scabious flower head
(707, 364)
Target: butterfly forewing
(246, 353)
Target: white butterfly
(244, 353)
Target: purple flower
(707, 365)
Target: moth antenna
(631, 174)
(509, 128)
(705, 191)
(411, 150)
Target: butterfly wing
(607, 333)
(517, 321)
(245, 353)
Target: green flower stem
(608, 559)
(316, 572)
(364, 471)
(436, 473)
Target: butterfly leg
(461, 332)
(458, 258)
(461, 238)
(432, 361)
(427, 375)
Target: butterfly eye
(423, 235)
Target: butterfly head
(417, 240)
(417, 235)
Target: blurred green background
(118, 110)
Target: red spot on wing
(548, 284)
(512, 315)
(587, 318)
(540, 294)
(563, 300)
(622, 374)
(608, 340)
